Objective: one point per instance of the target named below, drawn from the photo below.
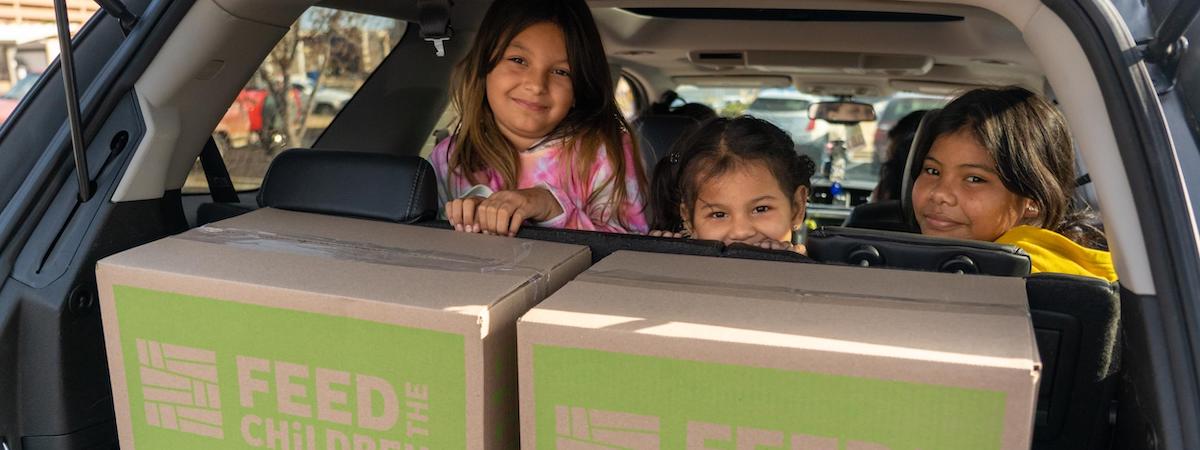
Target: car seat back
(1076, 321)
(922, 141)
(886, 215)
(876, 248)
(604, 244)
(659, 132)
(367, 185)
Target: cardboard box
(297, 331)
(648, 351)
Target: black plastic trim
(100, 98)
(1168, 233)
(790, 15)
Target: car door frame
(1161, 332)
(53, 389)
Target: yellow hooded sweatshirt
(1052, 252)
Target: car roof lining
(182, 108)
(983, 48)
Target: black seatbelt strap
(434, 19)
(1085, 179)
(219, 184)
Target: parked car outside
(891, 111)
(10, 99)
(329, 100)
(265, 119)
(235, 130)
(788, 109)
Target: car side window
(629, 98)
(303, 83)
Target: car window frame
(203, 189)
(1163, 323)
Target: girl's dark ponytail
(1083, 226)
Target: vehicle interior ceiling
(982, 42)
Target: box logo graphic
(593, 429)
(201, 374)
(651, 402)
(179, 385)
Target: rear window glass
(779, 104)
(900, 107)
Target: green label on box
(204, 373)
(595, 399)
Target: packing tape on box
(632, 278)
(375, 254)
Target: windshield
(864, 145)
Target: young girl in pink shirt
(540, 138)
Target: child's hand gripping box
(296, 331)
(649, 351)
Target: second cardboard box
(649, 351)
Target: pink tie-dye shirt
(542, 166)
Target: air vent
(717, 59)
(721, 56)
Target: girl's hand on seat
(504, 212)
(780, 245)
(461, 213)
(666, 234)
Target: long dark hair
(594, 120)
(1028, 139)
(718, 146)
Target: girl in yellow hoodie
(999, 165)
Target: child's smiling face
(959, 194)
(530, 89)
(746, 205)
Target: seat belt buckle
(439, 46)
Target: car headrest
(659, 132)
(875, 248)
(884, 215)
(921, 143)
(368, 185)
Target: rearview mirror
(843, 113)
